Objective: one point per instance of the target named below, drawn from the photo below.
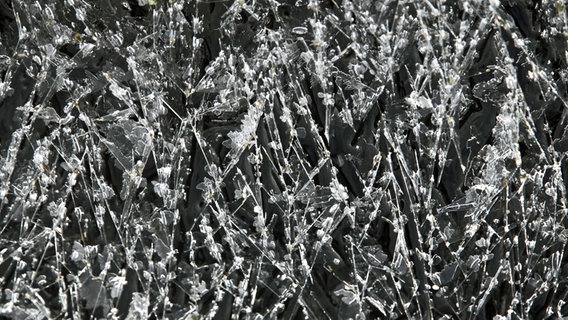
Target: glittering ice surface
(252, 159)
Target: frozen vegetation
(263, 159)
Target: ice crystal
(283, 159)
